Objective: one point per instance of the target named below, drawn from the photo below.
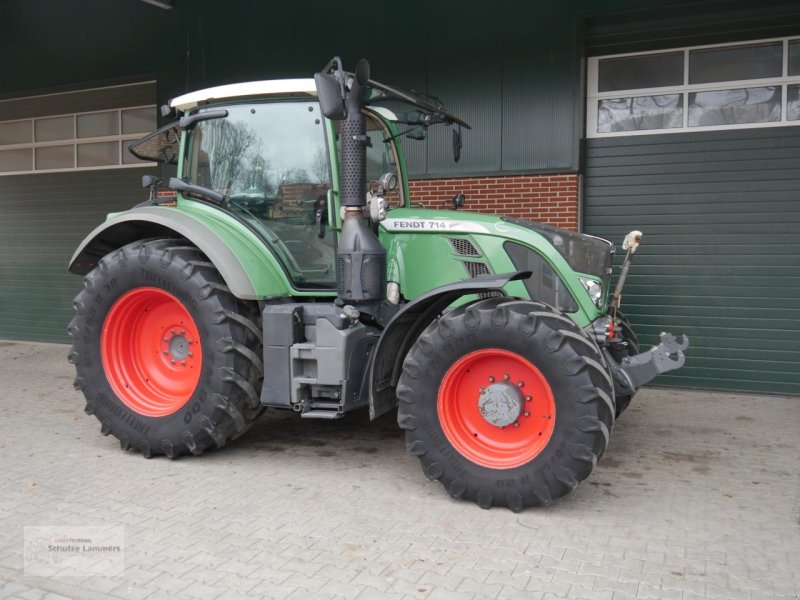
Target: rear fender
(406, 326)
(247, 266)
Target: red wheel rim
(467, 429)
(150, 348)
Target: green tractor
(290, 269)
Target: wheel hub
(501, 404)
(178, 347)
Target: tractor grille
(476, 269)
(464, 247)
(492, 294)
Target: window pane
(794, 57)
(127, 157)
(55, 128)
(16, 160)
(735, 63)
(55, 157)
(98, 124)
(793, 103)
(271, 160)
(651, 70)
(138, 120)
(729, 107)
(95, 155)
(15, 132)
(640, 113)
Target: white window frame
(76, 141)
(593, 96)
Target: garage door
(63, 166)
(721, 253)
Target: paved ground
(697, 497)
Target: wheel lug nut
(188, 341)
(516, 423)
(527, 414)
(190, 355)
(506, 377)
(166, 339)
(521, 383)
(172, 361)
(166, 352)
(183, 332)
(183, 363)
(528, 398)
(491, 378)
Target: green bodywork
(422, 260)
(418, 259)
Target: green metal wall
(513, 71)
(721, 254)
(44, 218)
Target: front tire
(506, 403)
(166, 357)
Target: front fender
(246, 265)
(406, 326)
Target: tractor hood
(584, 253)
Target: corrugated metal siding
(721, 255)
(636, 27)
(44, 218)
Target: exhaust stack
(360, 257)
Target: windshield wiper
(196, 190)
(189, 121)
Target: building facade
(677, 118)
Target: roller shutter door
(721, 255)
(44, 218)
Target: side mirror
(459, 200)
(456, 143)
(331, 100)
(149, 180)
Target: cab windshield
(271, 163)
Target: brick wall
(549, 199)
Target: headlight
(594, 290)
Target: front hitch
(635, 371)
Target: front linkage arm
(633, 372)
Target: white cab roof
(249, 88)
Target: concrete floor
(697, 497)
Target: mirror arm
(406, 132)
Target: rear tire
(166, 357)
(564, 408)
